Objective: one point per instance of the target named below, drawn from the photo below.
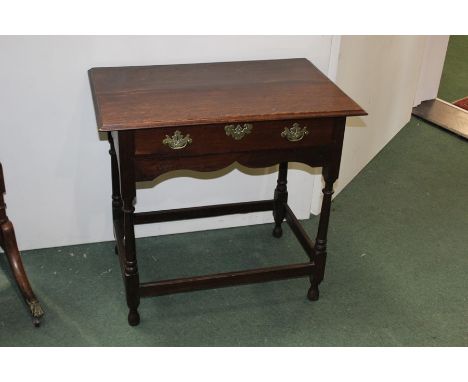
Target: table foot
(133, 317)
(277, 232)
(313, 293)
(36, 312)
(116, 249)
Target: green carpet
(396, 275)
(454, 82)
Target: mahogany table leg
(9, 245)
(128, 190)
(14, 259)
(280, 199)
(320, 247)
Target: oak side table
(204, 117)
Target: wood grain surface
(137, 97)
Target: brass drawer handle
(238, 131)
(177, 141)
(294, 133)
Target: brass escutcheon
(294, 133)
(238, 131)
(177, 141)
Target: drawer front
(234, 137)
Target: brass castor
(36, 312)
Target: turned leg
(280, 199)
(128, 192)
(132, 280)
(320, 248)
(116, 197)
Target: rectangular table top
(137, 97)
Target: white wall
(435, 49)
(56, 168)
(380, 73)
